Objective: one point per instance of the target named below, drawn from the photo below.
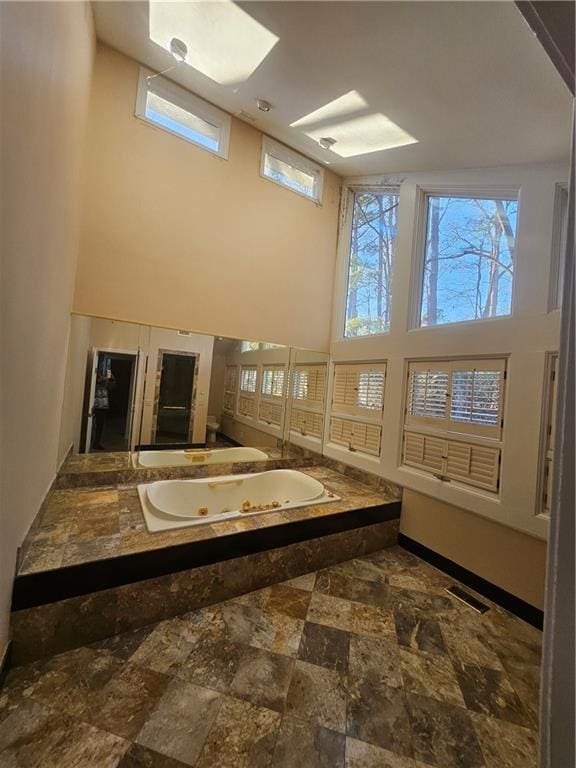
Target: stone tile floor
(367, 664)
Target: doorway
(174, 401)
(111, 401)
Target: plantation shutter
(306, 422)
(309, 385)
(228, 402)
(273, 377)
(476, 397)
(473, 464)
(424, 452)
(271, 413)
(231, 378)
(359, 389)
(248, 377)
(356, 435)
(428, 392)
(246, 406)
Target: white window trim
(185, 100)
(549, 393)
(290, 156)
(419, 239)
(557, 258)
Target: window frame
(419, 248)
(547, 434)
(558, 249)
(296, 160)
(186, 100)
(344, 246)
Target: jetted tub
(194, 456)
(170, 504)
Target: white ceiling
(466, 83)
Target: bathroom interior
(287, 449)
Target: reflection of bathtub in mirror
(193, 457)
(180, 503)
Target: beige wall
(510, 559)
(46, 52)
(176, 237)
(79, 342)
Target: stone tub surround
(365, 664)
(89, 470)
(90, 567)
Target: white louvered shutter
(309, 385)
(356, 435)
(424, 452)
(476, 397)
(306, 422)
(231, 378)
(359, 389)
(228, 402)
(428, 394)
(476, 465)
(273, 377)
(246, 406)
(270, 413)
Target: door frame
(159, 365)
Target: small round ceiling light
(178, 49)
(263, 105)
(326, 142)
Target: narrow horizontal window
(176, 110)
(291, 170)
(370, 263)
(469, 259)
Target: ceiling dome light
(326, 142)
(178, 49)
(263, 105)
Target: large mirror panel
(148, 397)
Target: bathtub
(168, 504)
(195, 456)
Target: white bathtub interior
(193, 457)
(169, 504)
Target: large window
(453, 422)
(469, 258)
(291, 170)
(371, 260)
(178, 111)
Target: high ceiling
(401, 86)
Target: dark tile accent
(489, 691)
(496, 594)
(307, 745)
(443, 734)
(379, 715)
(324, 646)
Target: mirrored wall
(135, 389)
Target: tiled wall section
(59, 626)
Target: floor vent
(467, 598)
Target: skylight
(224, 42)
(356, 129)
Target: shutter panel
(231, 378)
(228, 402)
(273, 377)
(306, 422)
(248, 377)
(428, 389)
(246, 406)
(271, 413)
(473, 464)
(309, 385)
(364, 438)
(424, 452)
(476, 397)
(359, 389)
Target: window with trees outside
(469, 258)
(371, 260)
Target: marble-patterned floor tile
(102, 521)
(124, 704)
(123, 646)
(348, 588)
(359, 569)
(317, 695)
(505, 745)
(213, 659)
(307, 745)
(359, 754)
(372, 621)
(306, 581)
(489, 692)
(278, 633)
(26, 735)
(512, 649)
(468, 646)
(142, 757)
(430, 675)
(288, 600)
(373, 663)
(263, 678)
(324, 646)
(79, 745)
(179, 725)
(330, 611)
(242, 736)
(379, 715)
(167, 646)
(443, 734)
(415, 631)
(91, 549)
(525, 679)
